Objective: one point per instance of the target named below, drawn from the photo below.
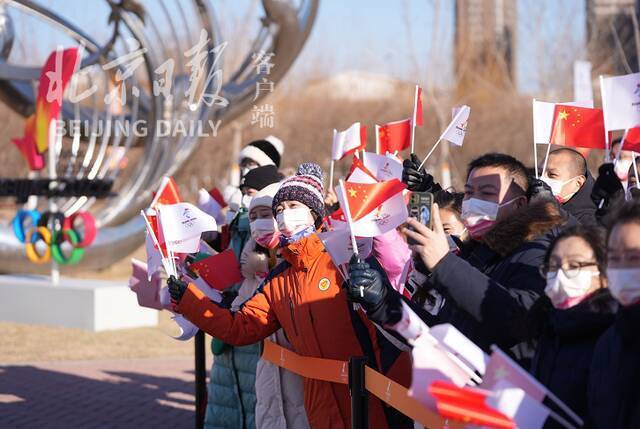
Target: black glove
(368, 288)
(539, 191)
(607, 186)
(176, 288)
(635, 193)
(417, 179)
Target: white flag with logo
(582, 89)
(182, 224)
(339, 247)
(621, 101)
(456, 130)
(543, 118)
(345, 142)
(384, 167)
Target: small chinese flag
(217, 196)
(167, 193)
(418, 120)
(632, 140)
(394, 136)
(357, 163)
(363, 198)
(219, 271)
(467, 405)
(578, 127)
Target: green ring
(56, 251)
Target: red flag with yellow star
(578, 127)
(394, 136)
(364, 198)
(218, 271)
(167, 193)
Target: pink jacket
(392, 251)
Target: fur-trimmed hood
(535, 221)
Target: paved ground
(133, 393)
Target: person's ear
(521, 201)
(580, 181)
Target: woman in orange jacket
(304, 296)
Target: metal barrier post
(201, 379)
(359, 395)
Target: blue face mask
(285, 241)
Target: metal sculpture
(163, 30)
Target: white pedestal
(94, 305)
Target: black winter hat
(261, 177)
(261, 151)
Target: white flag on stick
(582, 88)
(514, 403)
(182, 224)
(346, 142)
(455, 132)
(621, 101)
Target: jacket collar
(304, 252)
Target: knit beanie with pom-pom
(305, 187)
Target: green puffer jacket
(232, 396)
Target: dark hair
(615, 141)
(449, 200)
(579, 162)
(628, 212)
(500, 160)
(594, 236)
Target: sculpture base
(94, 305)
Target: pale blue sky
(390, 37)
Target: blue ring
(18, 222)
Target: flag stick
(331, 174)
(413, 136)
(546, 159)
(377, 140)
(635, 169)
(430, 152)
(564, 408)
(535, 147)
(607, 156)
(624, 137)
(165, 262)
(347, 214)
(413, 120)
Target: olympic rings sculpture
(54, 229)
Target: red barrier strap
(331, 370)
(335, 371)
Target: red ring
(90, 230)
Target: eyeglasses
(570, 269)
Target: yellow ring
(32, 253)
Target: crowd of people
(546, 268)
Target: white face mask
(556, 187)
(624, 285)
(295, 220)
(479, 215)
(246, 201)
(565, 292)
(265, 232)
(622, 168)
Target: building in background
(610, 36)
(485, 32)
